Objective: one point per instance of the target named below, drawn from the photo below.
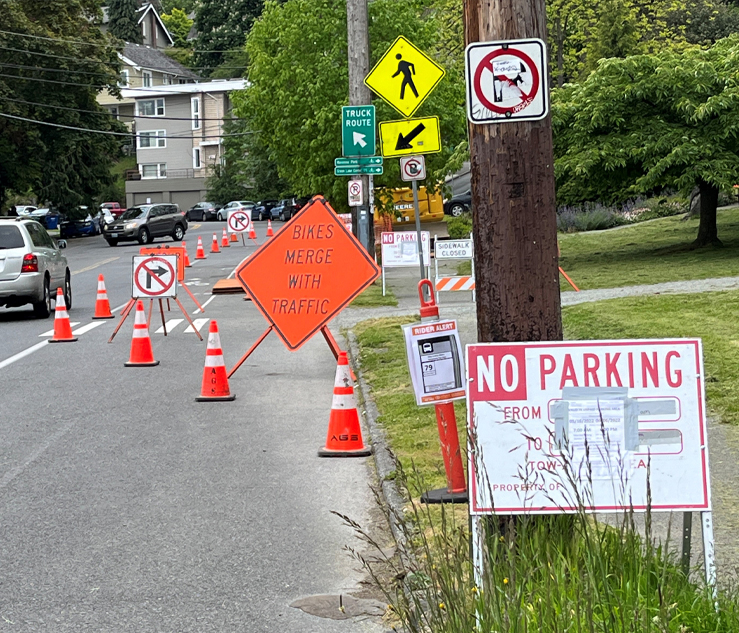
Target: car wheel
(457, 210)
(42, 309)
(219, 217)
(178, 233)
(68, 290)
(144, 237)
(261, 217)
(112, 242)
(282, 216)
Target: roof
(149, 7)
(153, 59)
(182, 89)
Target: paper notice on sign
(506, 67)
(596, 436)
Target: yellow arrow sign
(404, 77)
(410, 136)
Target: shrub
(461, 227)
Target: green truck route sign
(358, 137)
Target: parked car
(105, 216)
(264, 210)
(75, 228)
(32, 267)
(146, 222)
(114, 207)
(202, 211)
(288, 207)
(459, 204)
(24, 209)
(245, 205)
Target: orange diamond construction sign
(305, 275)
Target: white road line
(120, 307)
(198, 323)
(51, 332)
(23, 354)
(86, 328)
(94, 266)
(171, 325)
(205, 304)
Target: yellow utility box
(430, 205)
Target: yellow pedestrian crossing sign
(410, 136)
(404, 76)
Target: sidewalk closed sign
(435, 361)
(611, 416)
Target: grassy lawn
(649, 253)
(372, 297)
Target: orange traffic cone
(200, 252)
(224, 240)
(141, 353)
(215, 380)
(252, 233)
(187, 257)
(344, 437)
(214, 245)
(234, 238)
(102, 305)
(270, 232)
(62, 326)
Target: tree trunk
(707, 229)
(514, 210)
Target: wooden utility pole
(358, 51)
(514, 208)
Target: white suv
(32, 267)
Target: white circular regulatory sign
(506, 81)
(412, 168)
(154, 276)
(239, 221)
(355, 190)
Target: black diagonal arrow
(158, 272)
(404, 142)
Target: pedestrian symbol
(404, 76)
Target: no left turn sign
(506, 81)
(239, 221)
(154, 277)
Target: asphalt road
(127, 506)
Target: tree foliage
(64, 167)
(299, 81)
(222, 26)
(636, 125)
(123, 21)
(178, 25)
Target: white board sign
(506, 81)
(453, 249)
(239, 221)
(638, 406)
(412, 168)
(400, 248)
(355, 191)
(435, 361)
(154, 276)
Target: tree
(188, 6)
(639, 124)
(62, 166)
(222, 26)
(178, 25)
(299, 80)
(123, 21)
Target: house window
(147, 79)
(123, 81)
(114, 113)
(153, 138)
(151, 107)
(196, 158)
(153, 170)
(195, 112)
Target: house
(179, 131)
(153, 31)
(143, 67)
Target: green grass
(649, 253)
(372, 297)
(120, 168)
(712, 316)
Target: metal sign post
(418, 233)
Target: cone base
(63, 340)
(130, 364)
(442, 495)
(215, 398)
(359, 452)
(96, 318)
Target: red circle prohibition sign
(234, 219)
(409, 166)
(355, 188)
(158, 287)
(486, 64)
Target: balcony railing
(134, 174)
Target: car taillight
(30, 264)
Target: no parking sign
(506, 81)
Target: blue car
(78, 228)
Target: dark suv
(288, 207)
(202, 211)
(265, 210)
(146, 222)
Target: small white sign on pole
(356, 193)
(453, 249)
(412, 168)
(239, 221)
(154, 276)
(435, 361)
